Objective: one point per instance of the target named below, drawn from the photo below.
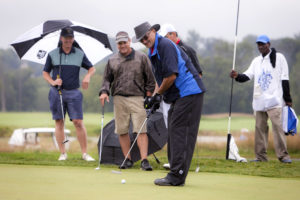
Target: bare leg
(143, 145)
(81, 134)
(59, 134)
(125, 144)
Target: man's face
(124, 47)
(149, 39)
(172, 36)
(67, 41)
(263, 48)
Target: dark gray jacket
(128, 76)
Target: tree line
(22, 87)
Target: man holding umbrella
(180, 85)
(65, 62)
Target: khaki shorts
(126, 109)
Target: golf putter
(148, 115)
(119, 172)
(101, 136)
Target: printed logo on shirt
(264, 80)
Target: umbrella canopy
(35, 44)
(111, 148)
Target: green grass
(219, 125)
(13, 120)
(216, 163)
(36, 174)
(77, 183)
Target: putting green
(22, 182)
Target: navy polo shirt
(70, 66)
(168, 59)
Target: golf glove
(155, 101)
(147, 102)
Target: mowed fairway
(211, 123)
(23, 182)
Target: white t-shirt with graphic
(267, 92)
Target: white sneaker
(63, 156)
(87, 157)
(166, 166)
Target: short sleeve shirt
(168, 59)
(70, 66)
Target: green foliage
(15, 120)
(91, 101)
(216, 60)
(23, 89)
(294, 84)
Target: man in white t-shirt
(271, 91)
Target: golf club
(157, 160)
(148, 115)
(100, 146)
(233, 67)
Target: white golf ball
(123, 181)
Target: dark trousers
(183, 125)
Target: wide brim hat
(142, 29)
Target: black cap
(67, 32)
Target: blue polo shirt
(70, 66)
(168, 59)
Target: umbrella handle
(156, 159)
(59, 87)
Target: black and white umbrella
(35, 44)
(111, 148)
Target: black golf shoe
(145, 165)
(127, 164)
(165, 182)
(286, 161)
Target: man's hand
(147, 102)
(290, 104)
(57, 82)
(103, 97)
(233, 74)
(155, 101)
(86, 81)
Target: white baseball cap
(166, 28)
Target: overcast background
(210, 18)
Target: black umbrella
(111, 149)
(35, 44)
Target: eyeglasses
(145, 37)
